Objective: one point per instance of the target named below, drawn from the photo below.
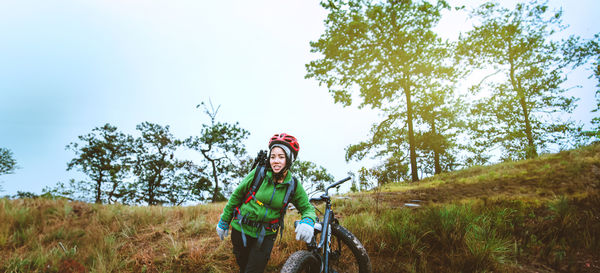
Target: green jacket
(270, 194)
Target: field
(540, 215)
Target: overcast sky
(68, 66)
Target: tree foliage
(159, 174)
(386, 52)
(103, 155)
(595, 45)
(525, 85)
(312, 176)
(440, 111)
(142, 170)
(587, 53)
(220, 143)
(8, 164)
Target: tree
(7, 162)
(440, 111)
(160, 177)
(311, 175)
(103, 155)
(388, 51)
(525, 85)
(221, 145)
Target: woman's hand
(222, 229)
(305, 230)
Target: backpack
(261, 163)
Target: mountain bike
(333, 248)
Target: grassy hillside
(538, 215)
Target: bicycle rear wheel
(301, 262)
(347, 252)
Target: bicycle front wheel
(301, 262)
(347, 252)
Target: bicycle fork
(325, 239)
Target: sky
(68, 66)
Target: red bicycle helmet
(287, 140)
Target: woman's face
(277, 159)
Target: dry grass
(530, 216)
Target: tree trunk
(531, 151)
(99, 189)
(216, 178)
(411, 135)
(151, 191)
(436, 150)
(112, 193)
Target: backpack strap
(291, 191)
(259, 175)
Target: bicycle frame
(328, 218)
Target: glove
(222, 229)
(305, 230)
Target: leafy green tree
(104, 156)
(311, 175)
(159, 175)
(525, 85)
(221, 145)
(386, 51)
(440, 112)
(8, 164)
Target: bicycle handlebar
(320, 198)
(337, 183)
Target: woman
(256, 217)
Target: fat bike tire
(301, 261)
(347, 252)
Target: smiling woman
(257, 207)
(278, 162)
(284, 150)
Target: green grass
(480, 238)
